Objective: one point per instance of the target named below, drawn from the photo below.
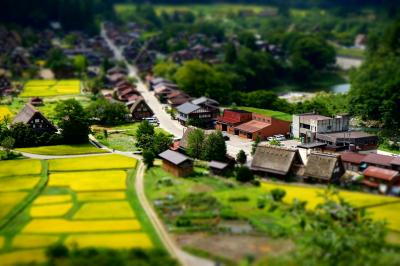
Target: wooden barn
(176, 163)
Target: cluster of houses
(126, 92)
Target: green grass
(63, 149)
(272, 113)
(350, 52)
(387, 148)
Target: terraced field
(86, 203)
(47, 88)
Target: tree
(148, 158)
(374, 93)
(161, 142)
(8, 143)
(230, 53)
(241, 157)
(108, 113)
(58, 62)
(195, 143)
(214, 147)
(73, 121)
(144, 135)
(278, 194)
(248, 39)
(165, 69)
(244, 174)
(80, 64)
(255, 145)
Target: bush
(148, 158)
(228, 214)
(278, 194)
(261, 201)
(241, 157)
(57, 251)
(244, 174)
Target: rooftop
(173, 157)
(253, 126)
(187, 108)
(313, 116)
(378, 159)
(380, 173)
(352, 157)
(217, 165)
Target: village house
(324, 168)
(219, 168)
(380, 179)
(379, 160)
(190, 112)
(352, 160)
(262, 127)
(34, 119)
(306, 126)
(140, 109)
(36, 101)
(274, 161)
(230, 119)
(352, 140)
(5, 85)
(208, 104)
(177, 98)
(176, 163)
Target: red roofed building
(379, 178)
(352, 160)
(232, 118)
(263, 126)
(379, 160)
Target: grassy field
(350, 52)
(274, 114)
(47, 88)
(63, 150)
(104, 162)
(4, 112)
(79, 208)
(122, 137)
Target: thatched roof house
(324, 167)
(34, 119)
(276, 161)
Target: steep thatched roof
(323, 166)
(26, 114)
(274, 159)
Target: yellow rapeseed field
(58, 226)
(104, 210)
(390, 213)
(125, 240)
(4, 112)
(1, 242)
(8, 200)
(45, 88)
(49, 199)
(101, 196)
(51, 210)
(16, 183)
(89, 181)
(23, 257)
(310, 194)
(20, 167)
(103, 162)
(33, 241)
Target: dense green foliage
(61, 255)
(107, 113)
(214, 147)
(73, 121)
(151, 142)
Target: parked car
(280, 137)
(270, 138)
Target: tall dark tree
(73, 121)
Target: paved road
(174, 128)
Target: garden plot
(103, 162)
(47, 88)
